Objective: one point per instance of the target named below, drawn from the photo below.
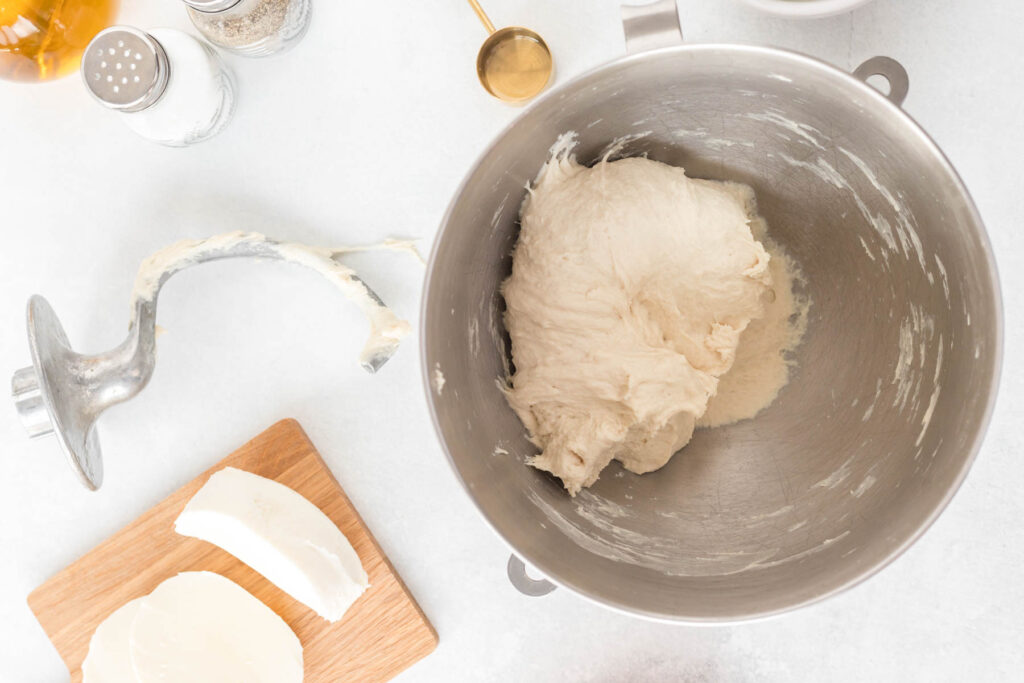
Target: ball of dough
(631, 286)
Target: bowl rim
(995, 366)
(808, 9)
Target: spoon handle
(483, 15)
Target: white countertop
(363, 132)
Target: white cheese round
(109, 660)
(199, 627)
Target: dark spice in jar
(248, 22)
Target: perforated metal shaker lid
(125, 69)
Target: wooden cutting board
(383, 633)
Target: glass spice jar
(167, 86)
(253, 28)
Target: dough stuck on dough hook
(64, 392)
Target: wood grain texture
(383, 633)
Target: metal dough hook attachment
(64, 392)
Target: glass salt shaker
(168, 86)
(253, 28)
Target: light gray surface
(248, 344)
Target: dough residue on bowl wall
(638, 297)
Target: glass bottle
(253, 28)
(44, 39)
(168, 86)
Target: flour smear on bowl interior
(642, 304)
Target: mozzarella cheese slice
(109, 660)
(199, 627)
(280, 534)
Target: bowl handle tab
(651, 25)
(892, 71)
(523, 583)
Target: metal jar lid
(211, 6)
(125, 69)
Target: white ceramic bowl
(805, 8)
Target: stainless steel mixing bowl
(894, 382)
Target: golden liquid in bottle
(44, 39)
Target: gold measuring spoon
(514, 64)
